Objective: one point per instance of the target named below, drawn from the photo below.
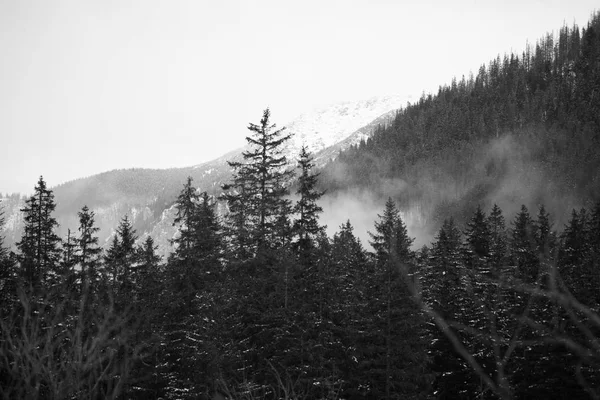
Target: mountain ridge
(147, 195)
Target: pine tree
(196, 259)
(336, 299)
(445, 274)
(545, 240)
(148, 270)
(347, 249)
(127, 256)
(259, 184)
(522, 246)
(594, 248)
(111, 261)
(525, 238)
(498, 240)
(477, 243)
(39, 247)
(443, 288)
(390, 237)
(69, 261)
(594, 231)
(193, 274)
(88, 251)
(8, 276)
(395, 367)
(208, 245)
(307, 227)
(121, 260)
(150, 306)
(238, 224)
(480, 305)
(3, 250)
(186, 204)
(574, 264)
(259, 228)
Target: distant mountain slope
(147, 195)
(523, 130)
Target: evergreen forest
(260, 303)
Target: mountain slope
(524, 130)
(147, 195)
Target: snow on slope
(324, 130)
(326, 126)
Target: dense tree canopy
(266, 305)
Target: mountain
(147, 195)
(524, 130)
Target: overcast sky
(90, 86)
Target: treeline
(262, 304)
(546, 99)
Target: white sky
(90, 86)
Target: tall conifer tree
(186, 205)
(498, 240)
(396, 337)
(8, 278)
(306, 227)
(39, 247)
(259, 184)
(443, 288)
(523, 246)
(87, 250)
(390, 238)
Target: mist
(509, 170)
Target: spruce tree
(88, 251)
(39, 251)
(121, 260)
(69, 261)
(148, 270)
(481, 297)
(256, 195)
(3, 250)
(111, 261)
(477, 242)
(546, 242)
(594, 231)
(238, 226)
(390, 238)
(525, 240)
(443, 279)
(150, 307)
(394, 359)
(186, 205)
(193, 275)
(594, 246)
(443, 288)
(574, 264)
(208, 241)
(523, 245)
(306, 227)
(196, 259)
(498, 240)
(8, 277)
(258, 231)
(347, 250)
(127, 256)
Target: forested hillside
(524, 128)
(147, 195)
(262, 304)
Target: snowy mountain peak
(325, 126)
